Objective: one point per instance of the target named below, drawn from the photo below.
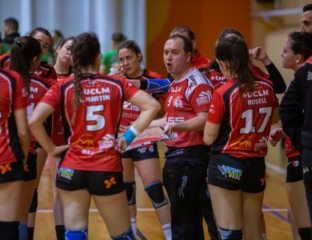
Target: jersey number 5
(249, 121)
(94, 116)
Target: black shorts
(231, 173)
(143, 153)
(11, 172)
(294, 169)
(31, 167)
(97, 182)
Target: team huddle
(82, 116)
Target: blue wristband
(129, 136)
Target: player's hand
(117, 71)
(136, 83)
(259, 54)
(123, 129)
(168, 128)
(121, 145)
(57, 150)
(275, 136)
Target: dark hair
(181, 29)
(42, 30)
(234, 51)
(23, 50)
(307, 7)
(86, 48)
(227, 31)
(187, 44)
(301, 43)
(12, 23)
(132, 45)
(119, 37)
(66, 40)
(59, 34)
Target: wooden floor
(275, 205)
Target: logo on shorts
(295, 163)
(110, 182)
(142, 150)
(66, 173)
(230, 172)
(151, 149)
(5, 168)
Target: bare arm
(275, 117)
(158, 123)
(23, 130)
(211, 132)
(39, 115)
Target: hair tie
(18, 43)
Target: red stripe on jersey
(186, 98)
(92, 135)
(245, 120)
(13, 96)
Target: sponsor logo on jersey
(129, 106)
(230, 172)
(66, 173)
(241, 142)
(175, 119)
(84, 141)
(107, 142)
(193, 81)
(217, 78)
(142, 150)
(309, 77)
(256, 94)
(24, 92)
(178, 103)
(95, 91)
(204, 97)
(175, 89)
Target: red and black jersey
(131, 112)
(92, 134)
(290, 149)
(44, 71)
(245, 119)
(57, 134)
(38, 88)
(186, 98)
(13, 96)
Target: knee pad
(156, 194)
(228, 234)
(34, 203)
(9, 230)
(131, 192)
(76, 234)
(128, 235)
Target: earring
(297, 61)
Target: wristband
(130, 135)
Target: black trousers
(183, 181)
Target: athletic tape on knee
(128, 235)
(76, 234)
(156, 194)
(34, 202)
(131, 192)
(229, 234)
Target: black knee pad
(156, 194)
(34, 203)
(229, 234)
(131, 191)
(9, 230)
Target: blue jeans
(183, 180)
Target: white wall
(72, 17)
